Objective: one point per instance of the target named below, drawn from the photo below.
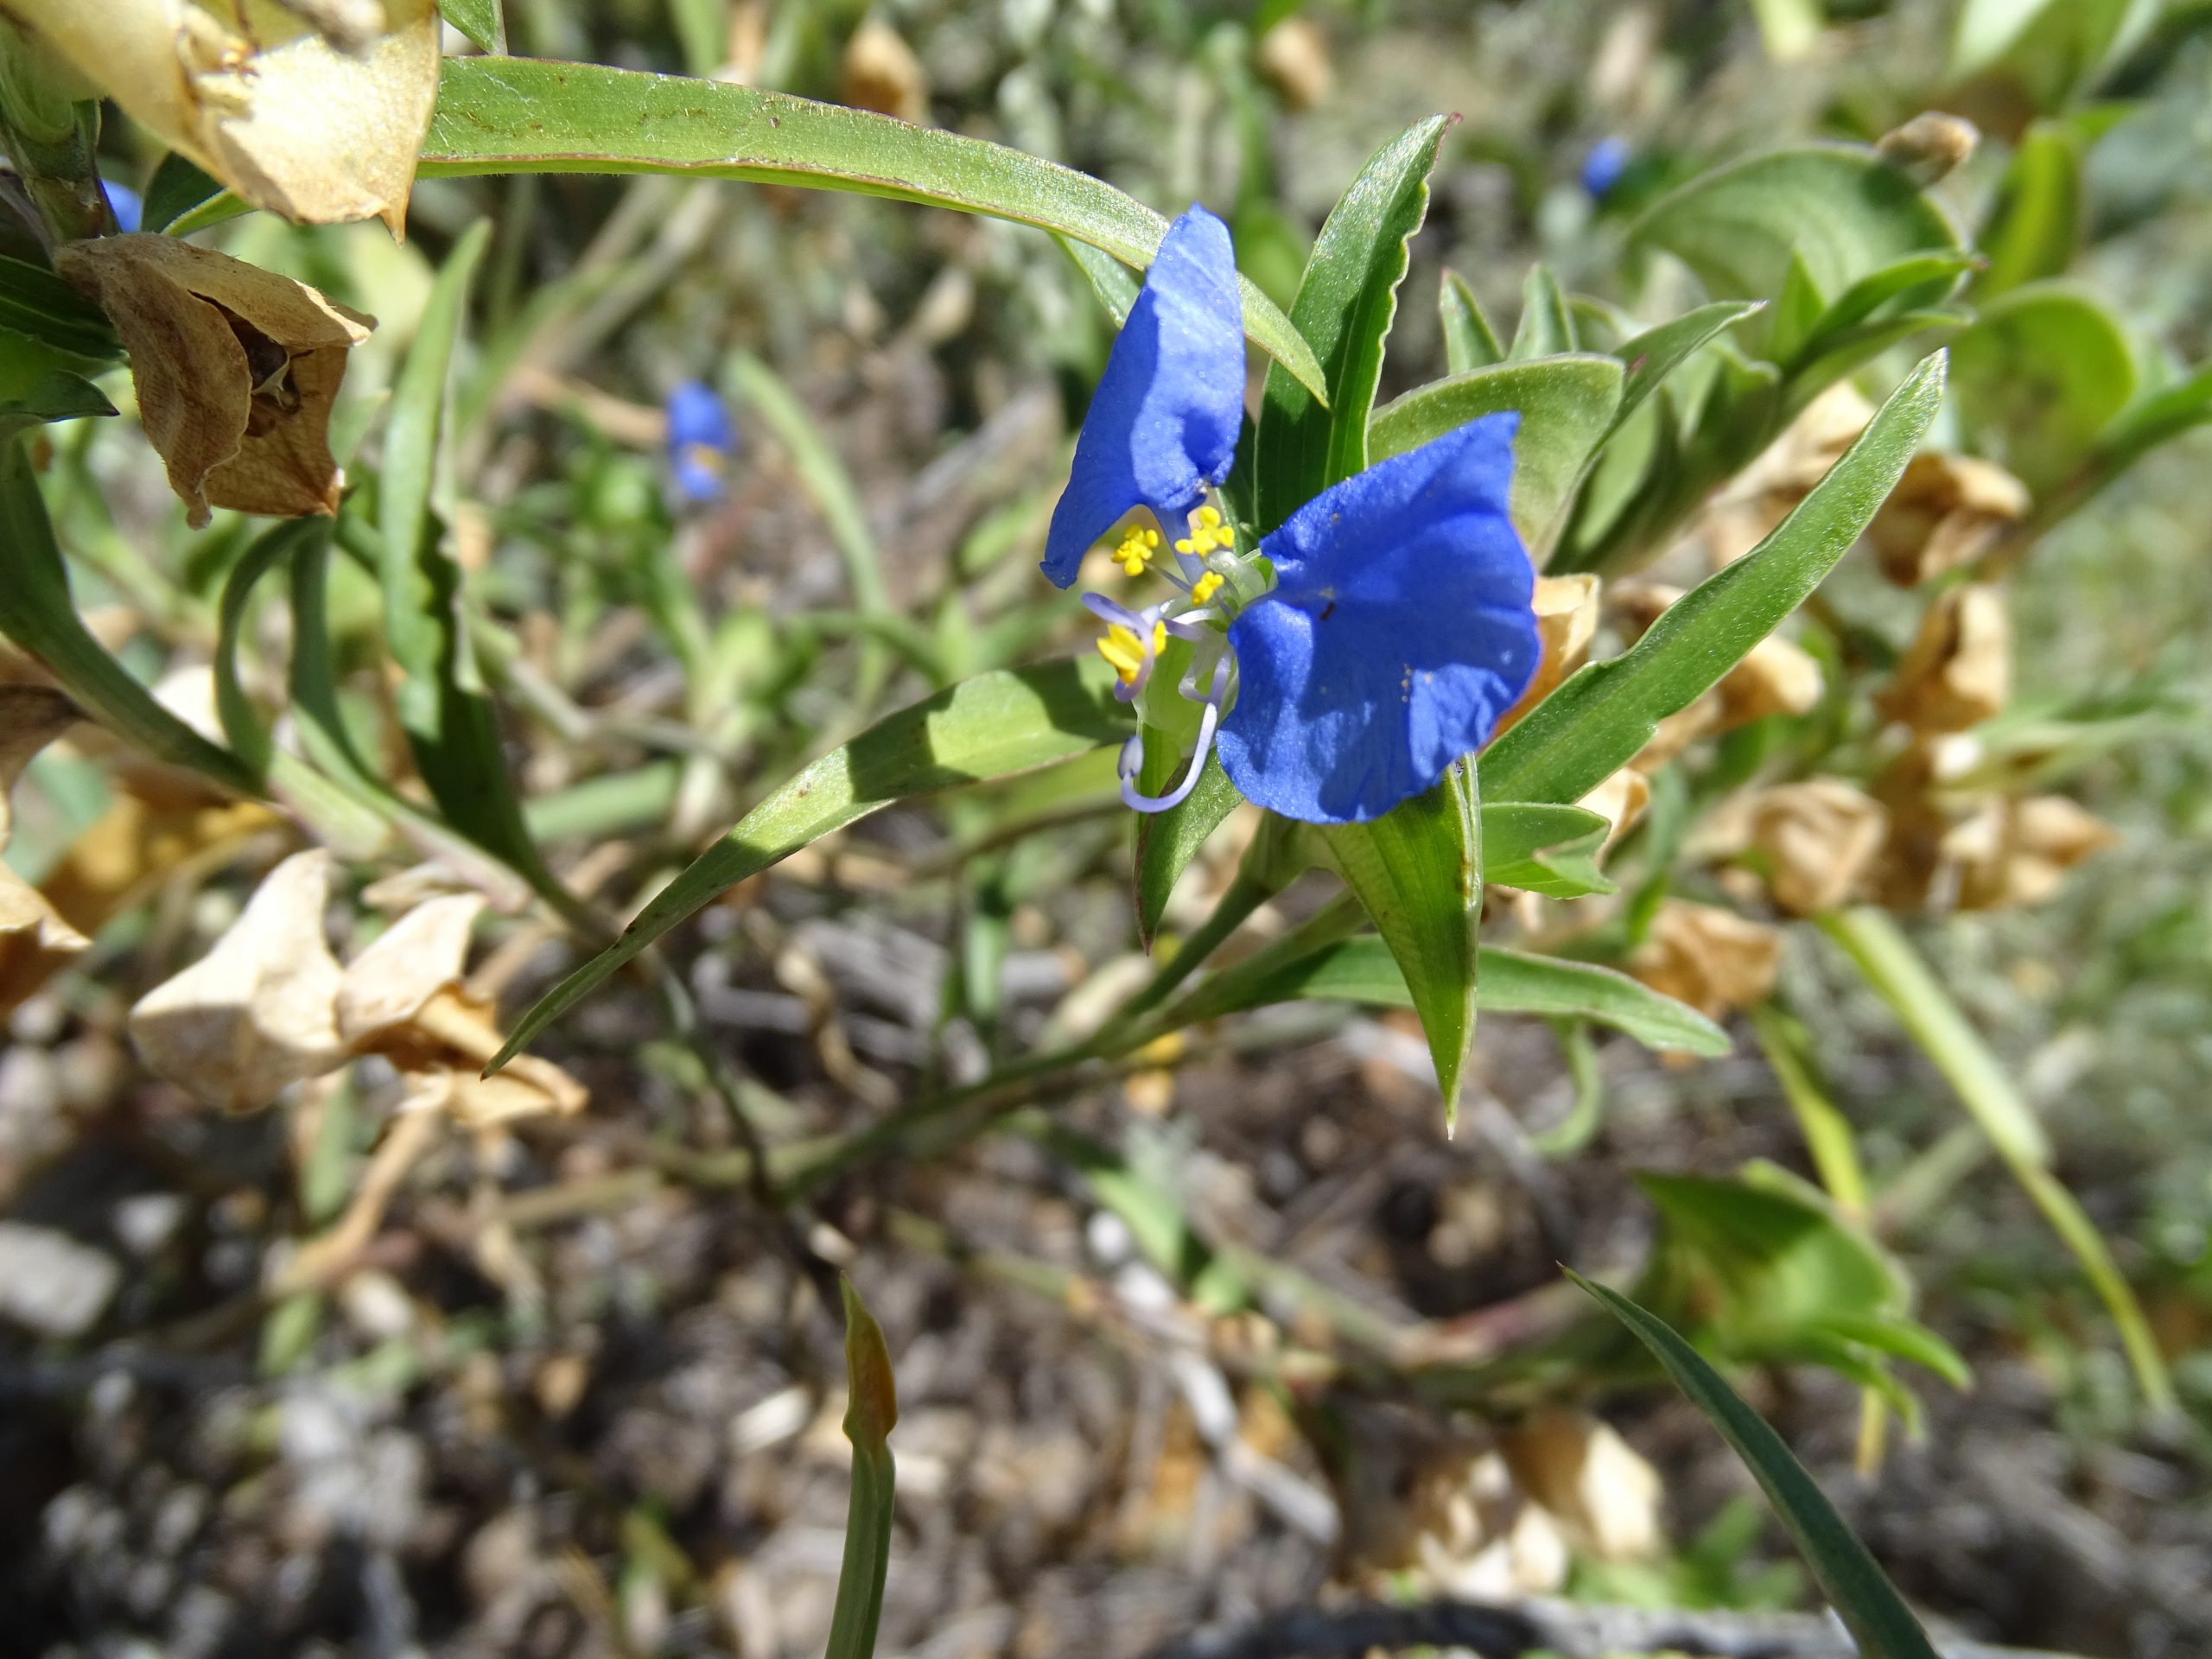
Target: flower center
(1124, 651)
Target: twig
(1566, 1629)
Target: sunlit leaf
(871, 1412)
(514, 115)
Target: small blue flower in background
(1603, 167)
(127, 206)
(1398, 624)
(701, 441)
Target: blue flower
(701, 441)
(1374, 638)
(127, 206)
(1603, 167)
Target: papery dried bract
(1712, 959)
(420, 955)
(1603, 1495)
(2017, 852)
(1958, 671)
(1567, 621)
(1945, 513)
(236, 367)
(31, 716)
(882, 73)
(1815, 840)
(317, 113)
(254, 1015)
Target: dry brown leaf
(236, 368)
(1567, 621)
(1605, 1497)
(1712, 959)
(1958, 671)
(882, 73)
(1815, 840)
(1946, 513)
(315, 111)
(255, 1014)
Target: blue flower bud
(1602, 167)
(700, 440)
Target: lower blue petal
(1164, 421)
(1399, 629)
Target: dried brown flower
(236, 367)
(1946, 513)
(1958, 671)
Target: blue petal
(696, 415)
(127, 205)
(1400, 628)
(1164, 421)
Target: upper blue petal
(1164, 421)
(1399, 629)
(127, 205)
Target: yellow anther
(1207, 533)
(1206, 586)
(1124, 653)
(1136, 550)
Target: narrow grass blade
(1886, 958)
(869, 1416)
(1855, 1585)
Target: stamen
(1207, 586)
(1134, 554)
(1207, 533)
(1128, 654)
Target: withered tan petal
(1774, 677)
(315, 111)
(882, 73)
(257, 1013)
(1620, 800)
(1958, 671)
(1711, 958)
(236, 367)
(2019, 852)
(422, 953)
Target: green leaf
(1167, 842)
(1417, 871)
(179, 187)
(1837, 209)
(1911, 284)
(516, 115)
(1870, 1608)
(1546, 326)
(1544, 847)
(2036, 225)
(1596, 722)
(1008, 720)
(36, 302)
(482, 20)
(2040, 376)
(1344, 307)
(1796, 311)
(2154, 420)
(1653, 355)
(1906, 1339)
(1566, 404)
(1115, 285)
(36, 612)
(1511, 981)
(872, 1411)
(1469, 341)
(452, 727)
